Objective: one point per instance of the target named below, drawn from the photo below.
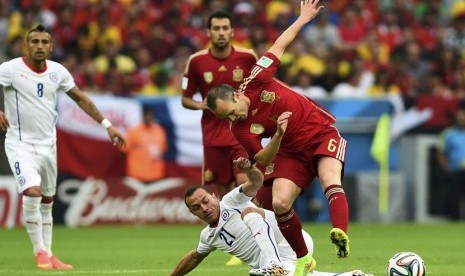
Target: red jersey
(269, 98)
(204, 71)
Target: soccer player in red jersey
(311, 147)
(221, 63)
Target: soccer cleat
(304, 265)
(57, 264)
(272, 269)
(234, 261)
(341, 241)
(42, 261)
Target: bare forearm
(268, 153)
(190, 261)
(84, 102)
(190, 103)
(286, 38)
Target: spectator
(146, 144)
(451, 157)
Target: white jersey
(232, 235)
(30, 99)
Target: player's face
(220, 33)
(235, 110)
(38, 45)
(204, 205)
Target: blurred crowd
(354, 48)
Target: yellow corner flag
(380, 152)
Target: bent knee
(250, 210)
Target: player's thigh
(295, 169)
(22, 158)
(218, 166)
(48, 170)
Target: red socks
(338, 207)
(291, 228)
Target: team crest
(225, 215)
(208, 77)
(22, 180)
(208, 176)
(256, 128)
(267, 97)
(238, 74)
(269, 169)
(53, 77)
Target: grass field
(155, 250)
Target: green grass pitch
(155, 250)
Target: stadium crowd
(355, 48)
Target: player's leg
(330, 174)
(329, 157)
(49, 182)
(262, 232)
(23, 162)
(284, 194)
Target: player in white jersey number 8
(30, 86)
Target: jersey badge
(267, 97)
(269, 169)
(238, 75)
(222, 68)
(53, 77)
(265, 62)
(225, 215)
(208, 77)
(208, 175)
(256, 128)
(22, 180)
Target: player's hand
(203, 105)
(282, 121)
(242, 163)
(4, 124)
(116, 138)
(309, 9)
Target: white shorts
(33, 165)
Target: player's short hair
(191, 190)
(222, 92)
(219, 14)
(39, 28)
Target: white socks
(264, 235)
(33, 220)
(47, 226)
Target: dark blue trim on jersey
(271, 240)
(17, 113)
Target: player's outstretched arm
(308, 10)
(254, 176)
(86, 104)
(190, 261)
(267, 154)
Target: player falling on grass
(238, 227)
(221, 63)
(311, 147)
(31, 85)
